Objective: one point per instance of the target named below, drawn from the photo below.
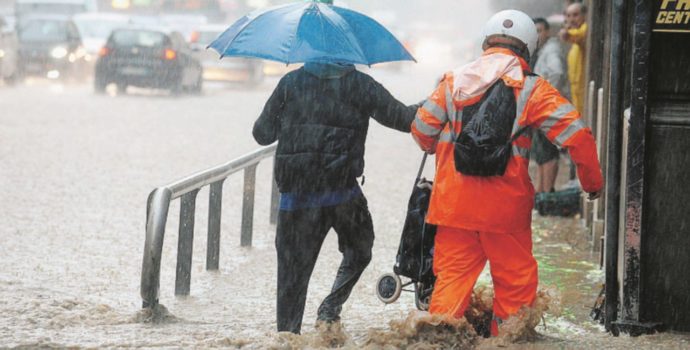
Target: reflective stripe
(435, 110)
(522, 152)
(556, 116)
(523, 97)
(425, 128)
(573, 128)
(446, 137)
(450, 107)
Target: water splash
(421, 330)
(521, 327)
(327, 335)
(158, 314)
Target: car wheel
(99, 86)
(177, 89)
(11, 80)
(198, 87)
(122, 88)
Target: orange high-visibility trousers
(459, 258)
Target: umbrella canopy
(310, 32)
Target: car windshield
(99, 29)
(43, 30)
(138, 38)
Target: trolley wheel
(388, 288)
(422, 296)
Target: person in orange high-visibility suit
(489, 218)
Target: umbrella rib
(383, 28)
(242, 30)
(294, 37)
(355, 45)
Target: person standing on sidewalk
(575, 32)
(549, 63)
(488, 216)
(320, 115)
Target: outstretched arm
(563, 126)
(387, 110)
(431, 118)
(267, 127)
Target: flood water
(76, 172)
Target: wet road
(75, 173)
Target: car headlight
(81, 52)
(59, 52)
(2, 53)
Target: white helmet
(514, 24)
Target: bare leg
(539, 188)
(549, 173)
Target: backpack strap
(453, 113)
(517, 134)
(521, 102)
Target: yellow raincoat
(576, 65)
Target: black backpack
(484, 145)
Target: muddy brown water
(570, 280)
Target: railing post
(185, 243)
(187, 189)
(591, 90)
(215, 202)
(597, 210)
(591, 122)
(248, 206)
(156, 217)
(275, 198)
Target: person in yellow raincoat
(575, 33)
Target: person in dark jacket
(320, 114)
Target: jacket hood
(328, 70)
(473, 79)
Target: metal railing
(187, 189)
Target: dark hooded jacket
(320, 116)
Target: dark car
(50, 46)
(149, 58)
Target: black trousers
(298, 242)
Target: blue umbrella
(310, 32)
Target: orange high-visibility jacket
(499, 204)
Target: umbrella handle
(421, 167)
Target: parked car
(95, 28)
(185, 24)
(9, 48)
(50, 46)
(278, 69)
(150, 58)
(229, 69)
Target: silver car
(229, 69)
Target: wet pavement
(76, 170)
